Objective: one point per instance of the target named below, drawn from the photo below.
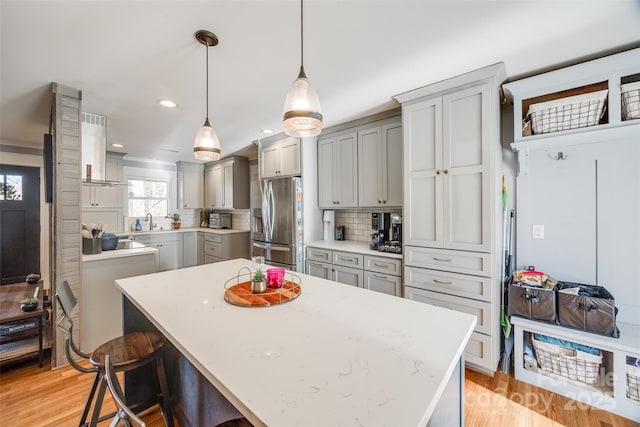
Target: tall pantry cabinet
(452, 202)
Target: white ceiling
(125, 55)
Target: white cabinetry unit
(227, 184)
(101, 202)
(190, 185)
(361, 165)
(280, 158)
(452, 206)
(190, 249)
(375, 273)
(338, 171)
(380, 166)
(170, 248)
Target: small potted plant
(175, 221)
(33, 278)
(257, 282)
(29, 304)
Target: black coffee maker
(380, 223)
(396, 228)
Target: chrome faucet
(149, 217)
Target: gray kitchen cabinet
(318, 269)
(348, 275)
(190, 185)
(227, 184)
(280, 158)
(200, 248)
(453, 170)
(190, 249)
(380, 166)
(222, 247)
(383, 275)
(169, 245)
(338, 171)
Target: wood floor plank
(41, 397)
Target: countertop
(182, 230)
(353, 246)
(132, 249)
(335, 356)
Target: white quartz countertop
(120, 253)
(335, 356)
(182, 230)
(350, 246)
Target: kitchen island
(335, 356)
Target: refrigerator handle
(272, 209)
(271, 248)
(265, 208)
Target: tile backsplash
(357, 222)
(190, 218)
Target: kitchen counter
(335, 356)
(129, 250)
(182, 230)
(353, 246)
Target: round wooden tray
(238, 291)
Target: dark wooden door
(19, 222)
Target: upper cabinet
(380, 166)
(227, 184)
(98, 195)
(337, 171)
(280, 158)
(190, 185)
(361, 165)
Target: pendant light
(207, 145)
(302, 114)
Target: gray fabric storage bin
(596, 314)
(532, 303)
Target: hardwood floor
(35, 397)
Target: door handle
(271, 248)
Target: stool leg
(87, 406)
(164, 390)
(98, 405)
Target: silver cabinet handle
(381, 277)
(380, 265)
(442, 282)
(346, 259)
(441, 259)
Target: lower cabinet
(170, 248)
(190, 252)
(380, 274)
(222, 247)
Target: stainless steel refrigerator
(276, 223)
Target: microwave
(220, 220)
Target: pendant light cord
(301, 35)
(207, 80)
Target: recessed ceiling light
(117, 145)
(167, 103)
(267, 131)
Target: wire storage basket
(630, 95)
(572, 112)
(567, 362)
(633, 382)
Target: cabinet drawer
(479, 350)
(348, 276)
(450, 283)
(213, 249)
(455, 261)
(318, 269)
(480, 309)
(318, 254)
(383, 265)
(208, 259)
(213, 238)
(385, 283)
(347, 259)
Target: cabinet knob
(384, 201)
(379, 201)
(437, 172)
(446, 171)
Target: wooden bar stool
(126, 352)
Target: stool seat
(238, 422)
(129, 350)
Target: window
(148, 196)
(10, 187)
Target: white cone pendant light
(302, 114)
(206, 145)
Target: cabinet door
(289, 157)
(383, 283)
(318, 269)
(370, 167)
(227, 185)
(88, 196)
(190, 186)
(209, 188)
(190, 249)
(348, 276)
(326, 174)
(423, 173)
(466, 164)
(169, 255)
(345, 184)
(269, 161)
(391, 164)
(218, 186)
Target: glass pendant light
(206, 145)
(302, 113)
